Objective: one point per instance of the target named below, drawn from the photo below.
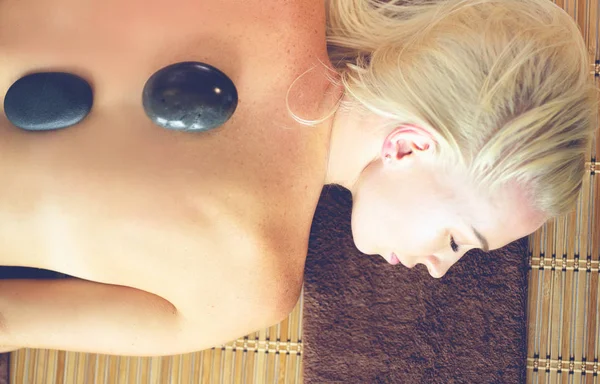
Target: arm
(84, 316)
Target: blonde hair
(503, 85)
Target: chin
(361, 242)
(361, 245)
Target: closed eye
(453, 244)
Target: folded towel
(366, 321)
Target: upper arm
(84, 316)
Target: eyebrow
(484, 243)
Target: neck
(354, 142)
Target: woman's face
(425, 214)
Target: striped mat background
(564, 322)
(563, 325)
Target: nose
(436, 268)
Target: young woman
(456, 124)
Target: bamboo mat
(564, 312)
(564, 322)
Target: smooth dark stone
(190, 96)
(47, 101)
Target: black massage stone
(189, 96)
(47, 101)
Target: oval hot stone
(190, 96)
(47, 101)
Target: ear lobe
(422, 146)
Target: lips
(393, 259)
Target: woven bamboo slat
(564, 321)
(563, 309)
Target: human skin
(170, 236)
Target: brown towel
(366, 321)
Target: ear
(404, 141)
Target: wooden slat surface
(564, 315)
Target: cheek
(404, 221)
(372, 211)
(369, 220)
(409, 217)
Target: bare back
(118, 200)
